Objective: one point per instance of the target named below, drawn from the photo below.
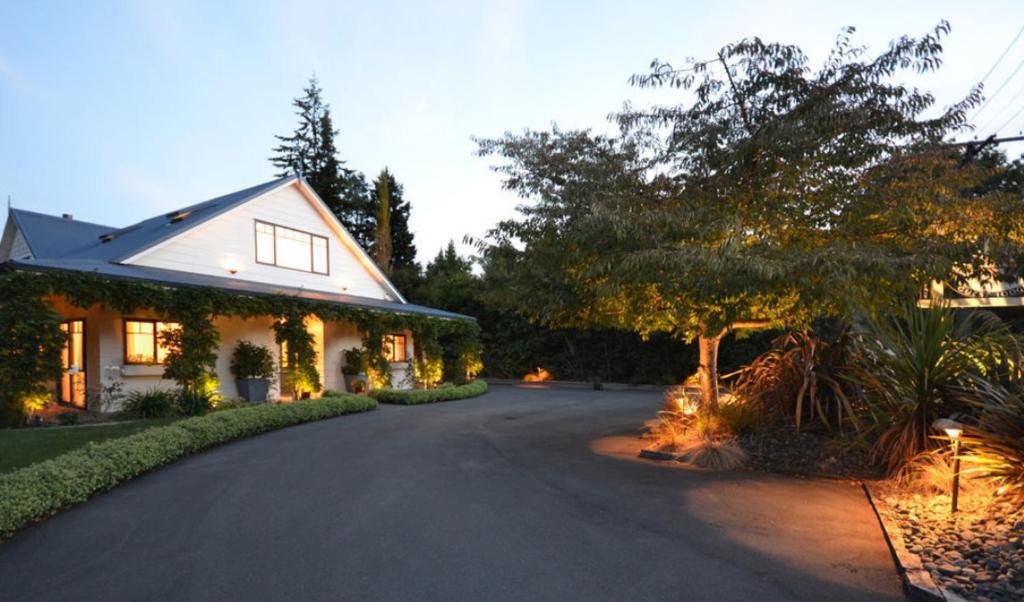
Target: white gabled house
(277, 238)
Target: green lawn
(21, 447)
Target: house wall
(229, 240)
(104, 349)
(13, 244)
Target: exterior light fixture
(953, 430)
(233, 266)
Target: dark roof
(244, 287)
(49, 236)
(75, 246)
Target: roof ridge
(60, 218)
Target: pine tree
(310, 151)
(382, 234)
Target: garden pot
(253, 390)
(351, 378)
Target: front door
(72, 377)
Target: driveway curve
(494, 498)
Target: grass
(25, 446)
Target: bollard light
(953, 430)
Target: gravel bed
(978, 554)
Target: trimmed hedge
(413, 397)
(41, 490)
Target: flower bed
(41, 490)
(414, 397)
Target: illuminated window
(143, 341)
(72, 359)
(394, 348)
(293, 249)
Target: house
(274, 239)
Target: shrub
(249, 360)
(995, 449)
(154, 403)
(805, 376)
(43, 489)
(915, 369)
(414, 397)
(68, 418)
(194, 402)
(356, 362)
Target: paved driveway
(494, 498)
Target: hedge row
(413, 397)
(41, 490)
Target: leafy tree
(773, 194)
(310, 150)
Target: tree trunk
(708, 372)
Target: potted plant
(354, 370)
(253, 368)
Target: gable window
(143, 341)
(394, 348)
(290, 248)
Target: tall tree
(310, 150)
(774, 194)
(403, 247)
(382, 233)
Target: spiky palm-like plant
(805, 376)
(915, 367)
(995, 448)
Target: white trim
(347, 238)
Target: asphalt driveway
(494, 498)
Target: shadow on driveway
(493, 498)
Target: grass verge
(43, 489)
(418, 396)
(25, 446)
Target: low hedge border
(418, 396)
(43, 489)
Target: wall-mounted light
(232, 265)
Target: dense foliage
(249, 360)
(189, 305)
(918, 367)
(775, 193)
(298, 346)
(30, 345)
(38, 491)
(418, 396)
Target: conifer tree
(311, 151)
(382, 233)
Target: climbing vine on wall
(193, 356)
(299, 348)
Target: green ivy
(195, 307)
(300, 352)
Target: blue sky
(116, 111)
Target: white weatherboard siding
(229, 241)
(13, 245)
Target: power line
(1009, 103)
(1002, 56)
(1010, 120)
(1000, 89)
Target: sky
(117, 111)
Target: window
(143, 341)
(72, 359)
(292, 249)
(394, 348)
